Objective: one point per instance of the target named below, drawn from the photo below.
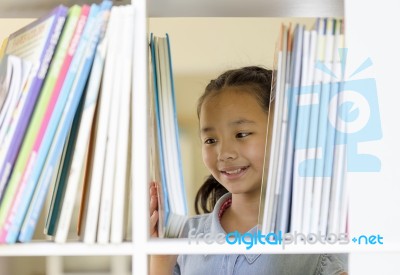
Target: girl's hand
(153, 210)
(159, 264)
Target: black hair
(256, 81)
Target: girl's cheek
(207, 157)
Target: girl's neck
(242, 215)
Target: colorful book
(65, 124)
(36, 43)
(55, 22)
(43, 141)
(39, 114)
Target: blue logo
(334, 118)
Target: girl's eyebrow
(207, 129)
(241, 121)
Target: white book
(338, 201)
(23, 75)
(323, 130)
(317, 153)
(283, 207)
(292, 122)
(173, 198)
(273, 137)
(121, 171)
(308, 178)
(110, 162)
(301, 137)
(279, 151)
(20, 82)
(5, 79)
(90, 220)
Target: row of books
(65, 124)
(304, 187)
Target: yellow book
(3, 47)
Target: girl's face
(233, 129)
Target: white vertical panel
(140, 160)
(372, 32)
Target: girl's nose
(227, 151)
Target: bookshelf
(362, 34)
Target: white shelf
(67, 249)
(249, 8)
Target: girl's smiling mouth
(234, 172)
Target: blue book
(173, 197)
(64, 126)
(176, 127)
(165, 206)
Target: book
(65, 123)
(292, 118)
(284, 197)
(48, 30)
(3, 47)
(19, 71)
(38, 154)
(323, 126)
(271, 189)
(121, 178)
(35, 43)
(110, 162)
(5, 78)
(173, 197)
(39, 113)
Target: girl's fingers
(153, 204)
(153, 224)
(153, 189)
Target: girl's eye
(242, 135)
(209, 141)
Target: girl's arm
(159, 264)
(162, 264)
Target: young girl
(233, 116)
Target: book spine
(118, 207)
